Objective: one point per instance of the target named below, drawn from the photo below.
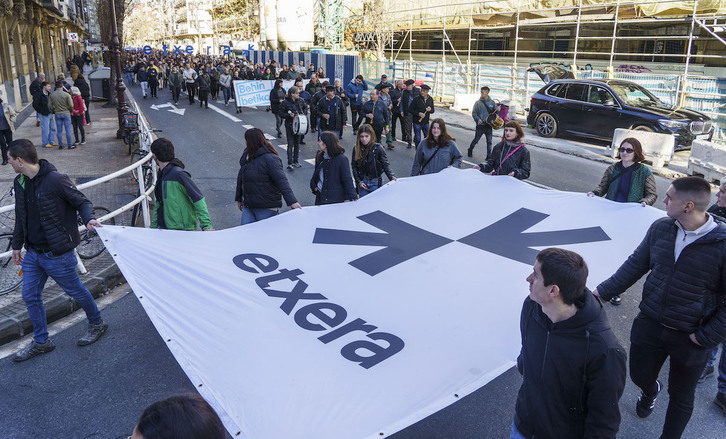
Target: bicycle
(91, 244)
(131, 126)
(10, 274)
(147, 177)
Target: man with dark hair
(47, 205)
(354, 89)
(331, 111)
(572, 365)
(396, 94)
(407, 97)
(482, 109)
(41, 102)
(179, 202)
(61, 104)
(683, 306)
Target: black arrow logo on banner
(402, 241)
(506, 237)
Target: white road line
(283, 146)
(311, 161)
(249, 127)
(270, 137)
(225, 114)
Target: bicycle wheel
(10, 277)
(91, 244)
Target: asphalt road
(99, 391)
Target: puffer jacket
(352, 89)
(337, 180)
(500, 162)
(372, 166)
(573, 374)
(688, 295)
(261, 183)
(59, 204)
(275, 95)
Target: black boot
(470, 152)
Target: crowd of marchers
(572, 364)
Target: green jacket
(179, 202)
(60, 102)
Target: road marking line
(225, 114)
(283, 146)
(249, 127)
(270, 137)
(311, 161)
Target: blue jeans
(721, 366)
(515, 434)
(417, 129)
(226, 93)
(129, 78)
(144, 87)
(36, 269)
(371, 185)
(250, 215)
(47, 128)
(61, 121)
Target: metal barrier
(145, 138)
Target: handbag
(427, 161)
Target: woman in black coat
(332, 181)
(510, 156)
(277, 95)
(369, 161)
(261, 181)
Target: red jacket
(78, 106)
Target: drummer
(290, 108)
(307, 98)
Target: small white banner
(356, 320)
(257, 93)
(72, 37)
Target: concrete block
(708, 159)
(465, 101)
(9, 331)
(658, 148)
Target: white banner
(356, 320)
(253, 93)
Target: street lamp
(120, 88)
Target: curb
(18, 325)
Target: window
(552, 91)
(600, 95)
(575, 91)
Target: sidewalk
(585, 148)
(100, 156)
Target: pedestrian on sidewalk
(61, 104)
(47, 206)
(7, 127)
(180, 417)
(718, 209)
(143, 78)
(332, 181)
(436, 152)
(179, 202)
(85, 89)
(369, 162)
(482, 109)
(572, 366)
(682, 310)
(77, 117)
(46, 117)
(627, 181)
(510, 156)
(261, 181)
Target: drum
(495, 121)
(300, 125)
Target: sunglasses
(628, 150)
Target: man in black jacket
(408, 94)
(683, 306)
(45, 115)
(396, 93)
(572, 365)
(47, 205)
(292, 106)
(376, 115)
(421, 109)
(331, 111)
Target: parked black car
(594, 108)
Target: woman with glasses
(628, 181)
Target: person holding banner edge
(683, 307)
(332, 181)
(369, 162)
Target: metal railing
(145, 138)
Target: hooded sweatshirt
(573, 371)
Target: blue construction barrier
(343, 67)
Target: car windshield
(635, 95)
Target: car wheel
(546, 125)
(644, 128)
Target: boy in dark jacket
(47, 206)
(572, 366)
